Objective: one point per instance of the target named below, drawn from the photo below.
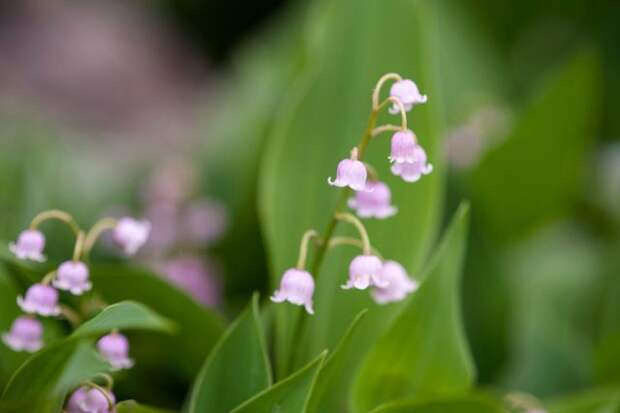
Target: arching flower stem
(58, 215)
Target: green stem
(96, 231)
(351, 219)
(55, 214)
(303, 248)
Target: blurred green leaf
(130, 406)
(43, 381)
(593, 401)
(198, 328)
(329, 374)
(424, 352)
(123, 315)
(290, 395)
(463, 404)
(236, 369)
(322, 119)
(537, 174)
(553, 281)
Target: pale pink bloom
(40, 299)
(296, 287)
(90, 400)
(351, 173)
(130, 234)
(403, 147)
(407, 92)
(399, 284)
(29, 245)
(26, 334)
(72, 276)
(114, 347)
(413, 171)
(194, 276)
(365, 271)
(375, 202)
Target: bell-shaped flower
(40, 299)
(351, 173)
(413, 171)
(114, 347)
(375, 202)
(72, 276)
(91, 400)
(399, 284)
(365, 271)
(404, 147)
(296, 287)
(131, 234)
(407, 92)
(26, 334)
(29, 245)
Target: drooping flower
(130, 234)
(40, 299)
(365, 271)
(351, 173)
(404, 147)
(407, 92)
(26, 334)
(29, 245)
(399, 284)
(114, 347)
(413, 171)
(374, 202)
(90, 400)
(296, 287)
(72, 276)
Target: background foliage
(519, 285)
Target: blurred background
(162, 108)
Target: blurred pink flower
(197, 278)
(204, 221)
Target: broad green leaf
(424, 351)
(123, 315)
(130, 406)
(537, 174)
(197, 328)
(290, 395)
(593, 401)
(332, 369)
(43, 381)
(323, 117)
(464, 404)
(236, 369)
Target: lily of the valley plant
(388, 279)
(73, 277)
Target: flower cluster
(388, 279)
(72, 276)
